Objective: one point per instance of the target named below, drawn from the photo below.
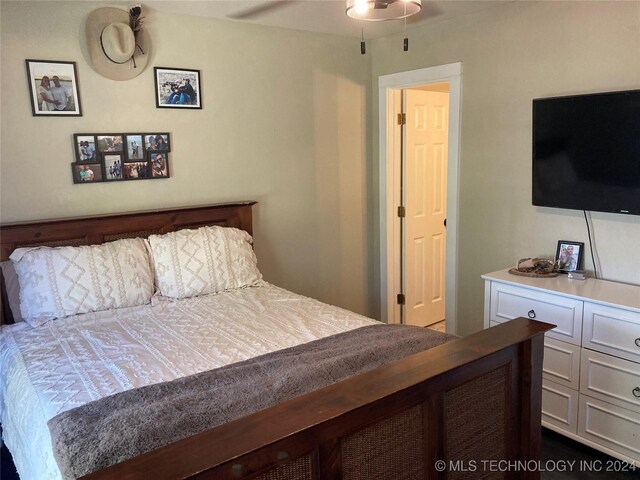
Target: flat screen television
(586, 152)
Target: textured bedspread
(67, 363)
(124, 425)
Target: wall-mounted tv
(586, 152)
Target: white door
(425, 183)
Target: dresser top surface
(600, 291)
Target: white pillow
(62, 281)
(188, 263)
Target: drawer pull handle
(532, 314)
(636, 392)
(638, 342)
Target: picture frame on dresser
(569, 256)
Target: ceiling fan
(429, 9)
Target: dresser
(591, 370)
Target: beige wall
(512, 54)
(287, 121)
(283, 123)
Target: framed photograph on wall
(569, 256)
(110, 143)
(85, 147)
(159, 165)
(135, 146)
(177, 88)
(87, 172)
(113, 166)
(53, 88)
(157, 142)
(136, 170)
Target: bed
(472, 399)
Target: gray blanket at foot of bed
(122, 426)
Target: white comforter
(67, 363)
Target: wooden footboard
(456, 411)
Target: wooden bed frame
(470, 403)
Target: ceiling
(324, 16)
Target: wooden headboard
(106, 228)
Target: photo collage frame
(117, 157)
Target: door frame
(388, 85)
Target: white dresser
(591, 373)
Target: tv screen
(586, 152)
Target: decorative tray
(515, 271)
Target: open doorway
(419, 138)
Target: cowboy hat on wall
(118, 46)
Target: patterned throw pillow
(188, 263)
(62, 281)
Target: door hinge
(401, 299)
(402, 119)
(402, 212)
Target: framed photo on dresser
(569, 256)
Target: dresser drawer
(559, 406)
(508, 302)
(612, 330)
(610, 379)
(610, 425)
(561, 363)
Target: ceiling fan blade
(261, 9)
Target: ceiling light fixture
(380, 10)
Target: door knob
(531, 313)
(636, 392)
